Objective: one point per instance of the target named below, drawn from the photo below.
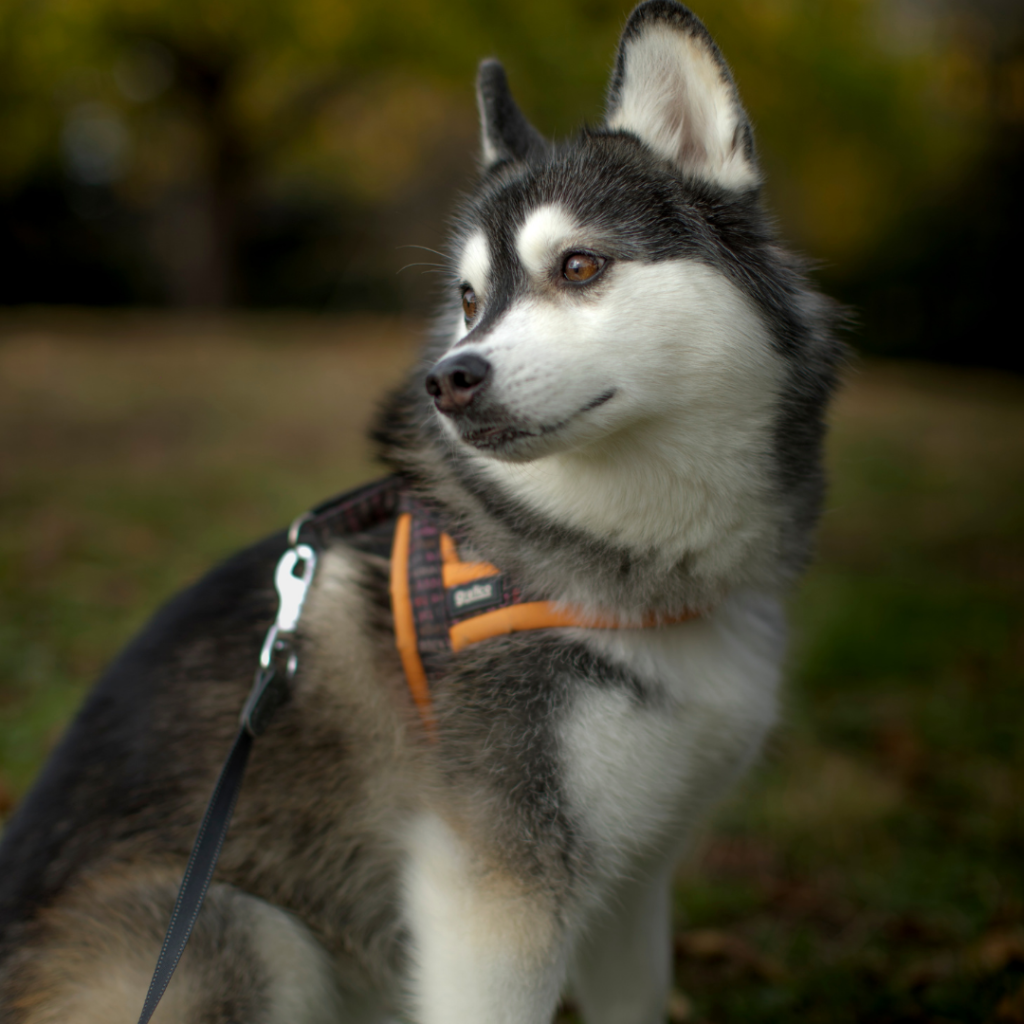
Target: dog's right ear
(505, 134)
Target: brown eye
(469, 303)
(581, 266)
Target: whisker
(439, 266)
(425, 248)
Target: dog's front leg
(485, 948)
(622, 966)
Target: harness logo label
(475, 596)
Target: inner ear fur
(505, 134)
(673, 90)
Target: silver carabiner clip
(293, 577)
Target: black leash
(200, 869)
(278, 662)
(293, 577)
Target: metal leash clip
(279, 658)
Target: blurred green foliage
(270, 152)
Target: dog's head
(587, 274)
(620, 307)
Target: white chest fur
(639, 773)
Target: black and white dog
(622, 410)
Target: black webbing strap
(366, 508)
(201, 865)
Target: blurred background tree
(269, 153)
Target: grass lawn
(871, 870)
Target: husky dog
(621, 407)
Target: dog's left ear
(504, 132)
(672, 89)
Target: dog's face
(628, 350)
(595, 293)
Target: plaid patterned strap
(370, 507)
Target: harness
(440, 605)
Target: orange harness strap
(471, 627)
(405, 624)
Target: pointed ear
(504, 131)
(673, 90)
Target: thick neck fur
(616, 530)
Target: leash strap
(353, 512)
(201, 865)
(270, 689)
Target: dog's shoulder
(177, 685)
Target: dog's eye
(581, 266)
(469, 303)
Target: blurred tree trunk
(195, 228)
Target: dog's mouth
(505, 436)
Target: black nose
(455, 381)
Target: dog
(620, 408)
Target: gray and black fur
(315, 871)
